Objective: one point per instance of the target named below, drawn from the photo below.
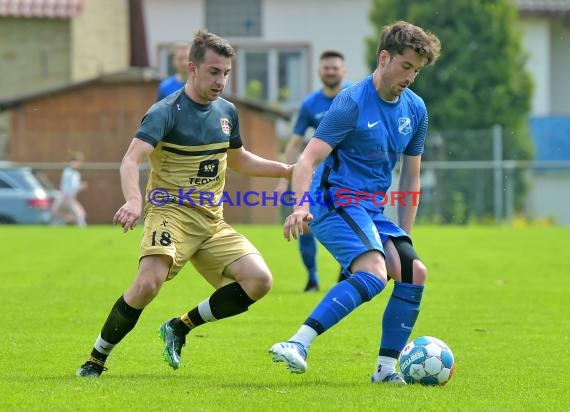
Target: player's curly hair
(396, 37)
(204, 40)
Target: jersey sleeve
(416, 145)
(154, 126)
(235, 137)
(339, 121)
(303, 121)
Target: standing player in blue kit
(355, 148)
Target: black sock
(120, 321)
(180, 328)
(229, 300)
(97, 356)
(183, 327)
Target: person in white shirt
(70, 185)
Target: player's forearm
(407, 217)
(253, 165)
(270, 168)
(408, 207)
(300, 184)
(130, 179)
(290, 156)
(292, 150)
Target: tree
(479, 81)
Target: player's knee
(146, 286)
(265, 282)
(147, 289)
(419, 272)
(260, 284)
(151, 275)
(371, 262)
(382, 276)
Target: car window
(4, 184)
(24, 178)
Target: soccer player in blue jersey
(177, 81)
(367, 129)
(331, 72)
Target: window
(231, 18)
(165, 66)
(273, 74)
(4, 185)
(256, 75)
(291, 84)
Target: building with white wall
(546, 39)
(279, 41)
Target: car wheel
(5, 220)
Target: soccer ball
(427, 360)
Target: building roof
(544, 7)
(132, 75)
(41, 8)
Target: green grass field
(497, 296)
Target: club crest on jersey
(404, 125)
(225, 123)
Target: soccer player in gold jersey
(190, 138)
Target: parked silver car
(26, 195)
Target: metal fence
(459, 185)
(466, 179)
(487, 191)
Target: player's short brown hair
(397, 37)
(204, 40)
(327, 54)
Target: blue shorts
(348, 232)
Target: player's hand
(281, 187)
(128, 215)
(289, 174)
(295, 222)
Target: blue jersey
(168, 86)
(313, 109)
(368, 135)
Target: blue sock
(308, 248)
(342, 299)
(399, 318)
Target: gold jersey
(188, 164)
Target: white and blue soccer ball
(428, 361)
